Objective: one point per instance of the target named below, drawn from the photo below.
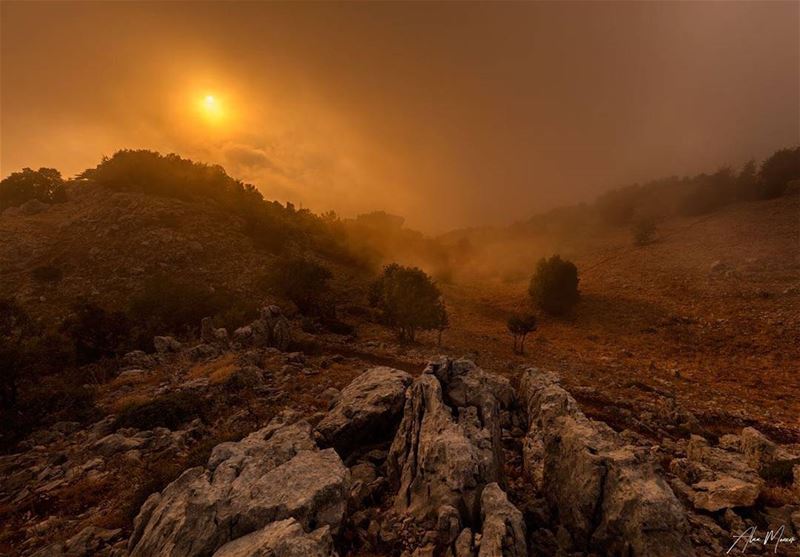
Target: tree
(16, 333)
(96, 333)
(409, 301)
(777, 171)
(554, 285)
(644, 230)
(44, 184)
(303, 281)
(520, 325)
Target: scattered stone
(165, 344)
(89, 541)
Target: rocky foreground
(455, 462)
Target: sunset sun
(211, 108)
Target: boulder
(713, 478)
(202, 352)
(285, 538)
(273, 474)
(366, 411)
(503, 532)
(606, 494)
(442, 454)
(768, 458)
(165, 344)
(271, 329)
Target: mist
(452, 116)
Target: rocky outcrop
(285, 538)
(271, 329)
(715, 478)
(273, 474)
(605, 494)
(89, 542)
(447, 447)
(503, 527)
(367, 410)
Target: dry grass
(217, 370)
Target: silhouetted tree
(777, 171)
(520, 325)
(554, 285)
(44, 184)
(303, 281)
(409, 301)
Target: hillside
(710, 311)
(673, 382)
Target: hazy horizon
(515, 109)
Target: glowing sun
(211, 108)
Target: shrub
(520, 325)
(44, 184)
(408, 300)
(95, 332)
(554, 285)
(166, 305)
(777, 171)
(303, 281)
(168, 411)
(16, 334)
(644, 230)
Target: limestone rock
(285, 538)
(443, 455)
(273, 474)
(605, 492)
(164, 344)
(367, 410)
(503, 532)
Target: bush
(96, 333)
(16, 335)
(166, 305)
(520, 325)
(302, 281)
(44, 184)
(408, 300)
(777, 171)
(554, 285)
(170, 411)
(644, 230)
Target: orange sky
(449, 114)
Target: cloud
(250, 157)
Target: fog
(452, 115)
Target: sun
(211, 108)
